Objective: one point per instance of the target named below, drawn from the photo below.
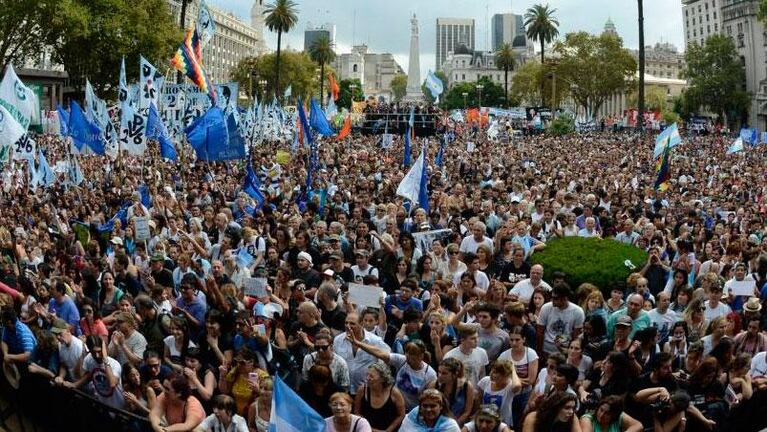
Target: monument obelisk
(414, 93)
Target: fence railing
(51, 408)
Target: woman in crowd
(379, 401)
(677, 344)
(201, 378)
(139, 398)
(647, 350)
(342, 419)
(109, 294)
(487, 419)
(609, 417)
(555, 414)
(696, 321)
(612, 378)
(683, 298)
(537, 300)
(408, 249)
(525, 361)
(403, 271)
(485, 256)
(432, 414)
(458, 391)
(316, 391)
(499, 388)
(259, 412)
(454, 265)
(176, 410)
(439, 340)
(716, 331)
(576, 358)
(425, 275)
(594, 304)
(707, 393)
(241, 380)
(90, 321)
(177, 344)
(615, 301)
(739, 377)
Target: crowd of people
(468, 334)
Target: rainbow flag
(188, 60)
(662, 171)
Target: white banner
(19, 100)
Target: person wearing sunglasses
(323, 354)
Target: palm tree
(504, 59)
(541, 25)
(321, 51)
(281, 17)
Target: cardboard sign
(365, 295)
(742, 288)
(141, 227)
(255, 287)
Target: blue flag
(423, 190)
(121, 215)
(251, 186)
(318, 120)
(439, 159)
(45, 173)
(156, 130)
(434, 84)
(763, 138)
(83, 132)
(63, 121)
(209, 137)
(290, 413)
(408, 133)
(749, 135)
(146, 199)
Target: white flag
(410, 186)
(19, 100)
(150, 82)
(10, 129)
(206, 27)
(24, 148)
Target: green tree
(563, 124)
(281, 17)
(526, 84)
(504, 60)
(655, 98)
(322, 52)
(348, 93)
(26, 26)
(541, 25)
(716, 77)
(426, 93)
(596, 67)
(296, 67)
(492, 94)
(113, 30)
(399, 86)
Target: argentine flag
(669, 137)
(736, 146)
(434, 84)
(290, 413)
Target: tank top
(379, 418)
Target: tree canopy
(296, 67)
(399, 86)
(541, 25)
(492, 94)
(716, 76)
(345, 96)
(596, 67)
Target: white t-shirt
(523, 364)
(474, 363)
(360, 274)
(524, 289)
(213, 424)
(721, 309)
(409, 381)
(70, 355)
(500, 398)
(99, 382)
(480, 278)
(470, 244)
(663, 322)
(759, 365)
(559, 323)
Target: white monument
(257, 22)
(414, 93)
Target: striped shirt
(20, 341)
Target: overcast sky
(384, 26)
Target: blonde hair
(594, 295)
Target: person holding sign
(740, 287)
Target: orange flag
(334, 89)
(346, 130)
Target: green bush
(564, 124)
(597, 261)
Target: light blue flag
(288, 91)
(290, 413)
(318, 120)
(669, 137)
(75, 172)
(331, 109)
(156, 130)
(206, 26)
(84, 133)
(434, 84)
(410, 186)
(46, 175)
(763, 138)
(63, 121)
(243, 258)
(736, 146)
(439, 160)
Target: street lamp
(465, 95)
(479, 91)
(352, 87)
(262, 83)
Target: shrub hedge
(597, 261)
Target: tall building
(234, 39)
(701, 19)
(740, 22)
(375, 71)
(610, 28)
(509, 29)
(662, 61)
(451, 32)
(312, 33)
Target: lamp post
(479, 93)
(465, 95)
(262, 83)
(352, 88)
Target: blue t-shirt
(20, 341)
(66, 310)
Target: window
(693, 20)
(714, 14)
(463, 77)
(354, 68)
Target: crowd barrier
(424, 124)
(38, 404)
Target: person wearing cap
(336, 264)
(159, 274)
(633, 308)
(558, 321)
(362, 268)
(70, 352)
(304, 271)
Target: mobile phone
(253, 377)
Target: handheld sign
(365, 295)
(255, 287)
(141, 224)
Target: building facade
(465, 65)
(616, 104)
(450, 33)
(234, 39)
(662, 61)
(740, 22)
(701, 19)
(312, 33)
(375, 71)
